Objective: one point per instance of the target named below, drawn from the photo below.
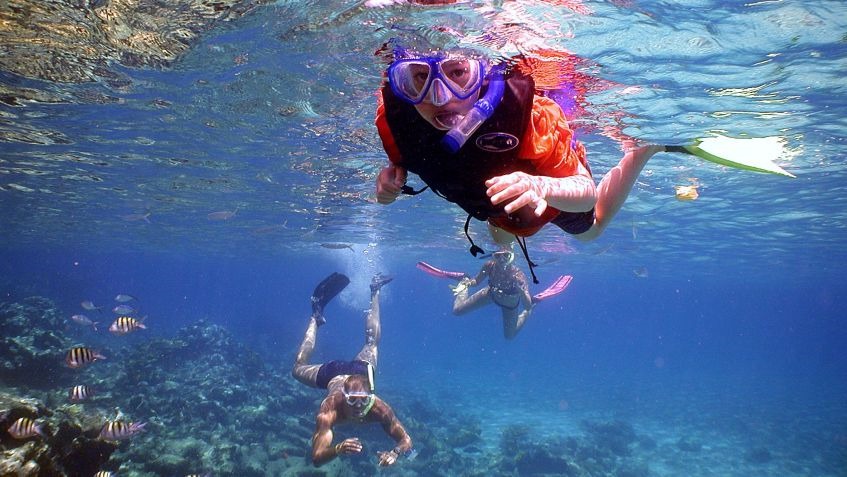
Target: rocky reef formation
(75, 40)
(71, 446)
(213, 405)
(32, 344)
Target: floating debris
(686, 192)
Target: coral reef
(32, 344)
(83, 37)
(70, 448)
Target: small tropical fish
(123, 310)
(199, 475)
(80, 392)
(84, 320)
(80, 356)
(222, 215)
(121, 298)
(89, 305)
(136, 217)
(104, 473)
(126, 324)
(338, 246)
(24, 428)
(119, 430)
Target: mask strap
(408, 190)
(529, 262)
(475, 249)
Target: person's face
(442, 85)
(450, 111)
(503, 258)
(358, 399)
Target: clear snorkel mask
(504, 256)
(440, 78)
(360, 401)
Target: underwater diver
(479, 136)
(349, 384)
(507, 287)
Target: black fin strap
(529, 262)
(409, 191)
(475, 250)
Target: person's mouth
(448, 119)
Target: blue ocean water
(716, 322)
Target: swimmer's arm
(322, 449)
(577, 193)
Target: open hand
(517, 190)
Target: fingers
(516, 190)
(351, 446)
(387, 458)
(389, 183)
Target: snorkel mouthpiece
(481, 111)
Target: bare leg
(615, 187)
(465, 304)
(373, 328)
(513, 321)
(304, 372)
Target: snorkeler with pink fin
(506, 286)
(558, 286)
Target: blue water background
(739, 319)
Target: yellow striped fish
(80, 356)
(126, 324)
(119, 430)
(24, 428)
(80, 392)
(104, 473)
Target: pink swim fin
(557, 287)
(437, 272)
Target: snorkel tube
(479, 113)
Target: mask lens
(462, 76)
(357, 398)
(410, 79)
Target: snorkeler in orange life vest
(479, 136)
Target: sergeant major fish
(24, 428)
(126, 324)
(80, 392)
(80, 356)
(120, 430)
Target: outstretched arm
(576, 193)
(482, 275)
(392, 426)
